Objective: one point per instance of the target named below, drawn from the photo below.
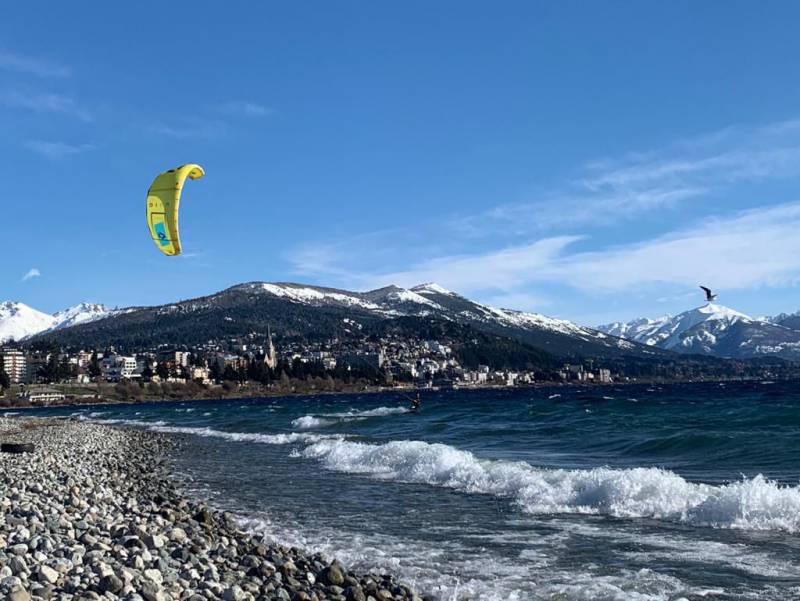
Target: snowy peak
(18, 321)
(384, 300)
(432, 288)
(712, 329)
(80, 313)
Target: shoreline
(94, 513)
(399, 391)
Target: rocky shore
(93, 514)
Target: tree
(94, 366)
(162, 370)
(5, 381)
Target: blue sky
(593, 161)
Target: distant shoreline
(398, 391)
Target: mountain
(787, 320)
(19, 321)
(81, 313)
(714, 330)
(302, 312)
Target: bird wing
(708, 290)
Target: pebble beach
(94, 512)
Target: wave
(756, 503)
(377, 412)
(276, 439)
(121, 422)
(165, 428)
(308, 422)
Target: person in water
(416, 403)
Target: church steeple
(271, 358)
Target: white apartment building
(15, 365)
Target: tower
(270, 359)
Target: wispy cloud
(751, 249)
(245, 108)
(184, 130)
(609, 191)
(56, 150)
(32, 273)
(44, 103)
(34, 66)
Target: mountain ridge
(716, 330)
(301, 310)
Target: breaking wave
(277, 439)
(308, 422)
(756, 503)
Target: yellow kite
(163, 200)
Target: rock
(204, 516)
(110, 584)
(153, 576)
(18, 565)
(233, 593)
(333, 574)
(47, 574)
(19, 594)
(154, 541)
(150, 591)
(354, 593)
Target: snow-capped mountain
(81, 313)
(712, 329)
(19, 321)
(316, 312)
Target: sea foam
(755, 503)
(308, 422)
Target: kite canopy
(163, 200)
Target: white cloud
(751, 249)
(184, 130)
(56, 150)
(246, 109)
(33, 66)
(500, 270)
(44, 103)
(32, 273)
(608, 191)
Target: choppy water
(680, 492)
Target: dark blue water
(675, 492)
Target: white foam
(276, 439)
(637, 492)
(377, 412)
(308, 422)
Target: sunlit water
(680, 492)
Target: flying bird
(709, 297)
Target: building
(45, 396)
(118, 367)
(604, 376)
(271, 356)
(15, 365)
